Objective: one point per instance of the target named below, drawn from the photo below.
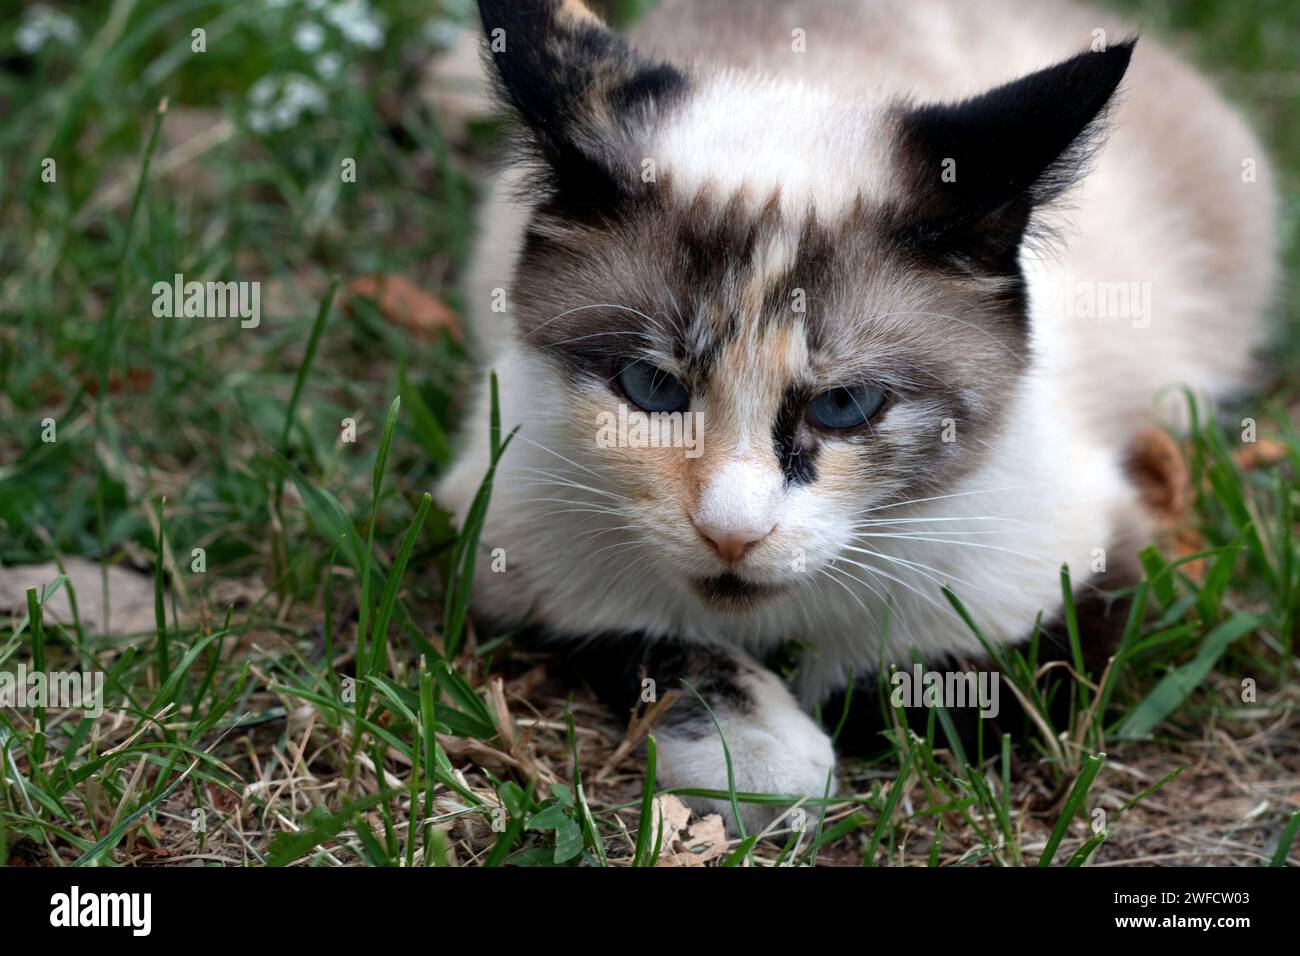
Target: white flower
(262, 92)
(41, 22)
(63, 27)
(358, 23)
(284, 115)
(303, 94)
(328, 65)
(278, 102)
(30, 37)
(309, 37)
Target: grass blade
(646, 823)
(1176, 685)
(1072, 805)
(379, 639)
(1287, 838)
(461, 579)
(159, 611)
(731, 770)
(887, 813)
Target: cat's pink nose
(731, 544)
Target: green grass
(317, 695)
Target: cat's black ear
(977, 168)
(581, 91)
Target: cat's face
(844, 340)
(831, 371)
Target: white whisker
(920, 536)
(536, 444)
(959, 494)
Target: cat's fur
(779, 173)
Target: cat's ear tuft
(585, 96)
(977, 168)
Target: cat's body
(999, 454)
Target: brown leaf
(222, 800)
(703, 841)
(404, 303)
(132, 381)
(670, 815)
(1261, 454)
(706, 840)
(1156, 466)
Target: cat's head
(833, 286)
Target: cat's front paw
(775, 750)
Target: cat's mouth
(729, 590)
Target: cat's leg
(775, 747)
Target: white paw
(775, 750)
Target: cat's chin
(732, 592)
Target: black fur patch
(732, 590)
(796, 448)
(1013, 148)
(583, 94)
(614, 666)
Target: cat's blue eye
(841, 408)
(652, 389)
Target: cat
(918, 267)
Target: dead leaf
(130, 595)
(404, 303)
(1156, 466)
(670, 816)
(1261, 453)
(132, 380)
(703, 841)
(706, 840)
(496, 700)
(223, 800)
